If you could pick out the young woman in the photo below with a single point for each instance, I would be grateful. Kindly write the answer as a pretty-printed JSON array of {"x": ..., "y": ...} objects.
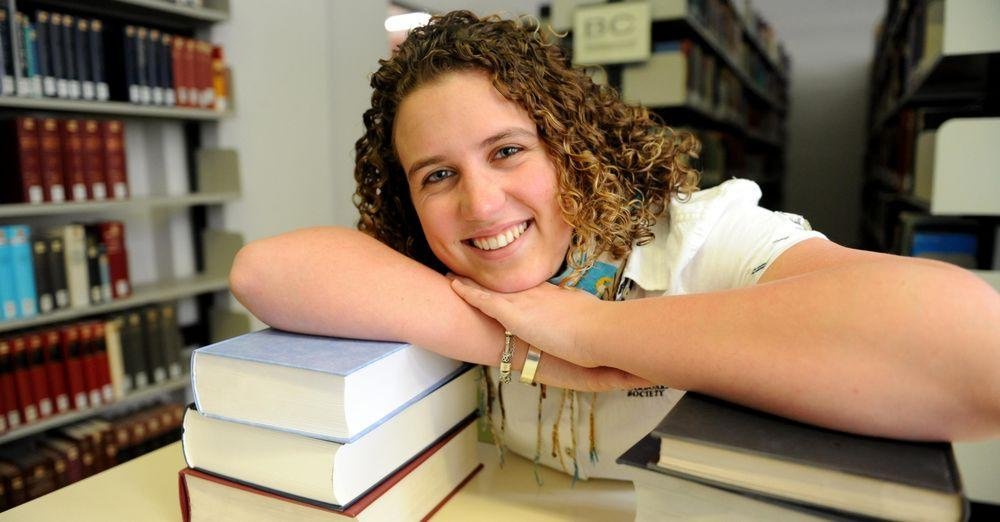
[{"x": 501, "y": 190}]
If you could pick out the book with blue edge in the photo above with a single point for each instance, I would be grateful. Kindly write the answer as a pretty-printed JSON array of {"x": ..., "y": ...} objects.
[
  {"x": 324, "y": 387},
  {"x": 737, "y": 456}
]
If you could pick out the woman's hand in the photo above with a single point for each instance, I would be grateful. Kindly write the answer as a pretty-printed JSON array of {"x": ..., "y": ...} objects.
[{"x": 551, "y": 318}]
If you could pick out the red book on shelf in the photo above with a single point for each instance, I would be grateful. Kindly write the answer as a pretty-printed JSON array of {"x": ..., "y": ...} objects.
[
  {"x": 203, "y": 62},
  {"x": 179, "y": 72},
  {"x": 113, "y": 132},
  {"x": 39, "y": 377},
  {"x": 71, "y": 138},
  {"x": 113, "y": 237},
  {"x": 69, "y": 343},
  {"x": 26, "y": 400},
  {"x": 91, "y": 370},
  {"x": 103, "y": 365},
  {"x": 93, "y": 160},
  {"x": 190, "y": 72},
  {"x": 8, "y": 391},
  {"x": 50, "y": 160},
  {"x": 20, "y": 143},
  {"x": 55, "y": 368}
]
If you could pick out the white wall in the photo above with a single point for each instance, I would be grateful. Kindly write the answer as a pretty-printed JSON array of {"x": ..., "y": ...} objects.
[{"x": 831, "y": 43}]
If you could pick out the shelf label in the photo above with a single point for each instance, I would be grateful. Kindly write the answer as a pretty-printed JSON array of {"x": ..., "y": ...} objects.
[{"x": 612, "y": 33}]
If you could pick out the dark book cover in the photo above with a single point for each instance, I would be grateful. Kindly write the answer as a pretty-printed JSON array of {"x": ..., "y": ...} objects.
[
  {"x": 142, "y": 65},
  {"x": 93, "y": 161},
  {"x": 26, "y": 400},
  {"x": 38, "y": 375},
  {"x": 172, "y": 341},
  {"x": 19, "y": 142},
  {"x": 136, "y": 357},
  {"x": 101, "y": 358},
  {"x": 116, "y": 175},
  {"x": 152, "y": 49},
  {"x": 91, "y": 370},
  {"x": 12, "y": 481},
  {"x": 69, "y": 343},
  {"x": 43, "y": 279},
  {"x": 203, "y": 74},
  {"x": 121, "y": 427},
  {"x": 8, "y": 389},
  {"x": 6, "y": 57},
  {"x": 50, "y": 160},
  {"x": 82, "y": 49},
  {"x": 102, "y": 263},
  {"x": 69, "y": 453},
  {"x": 93, "y": 265},
  {"x": 55, "y": 369},
  {"x": 153, "y": 341},
  {"x": 70, "y": 67},
  {"x": 190, "y": 72},
  {"x": 71, "y": 139},
  {"x": 58, "y": 61},
  {"x": 97, "y": 69},
  {"x": 131, "y": 65},
  {"x": 42, "y": 40},
  {"x": 167, "y": 70},
  {"x": 113, "y": 237},
  {"x": 36, "y": 468},
  {"x": 57, "y": 271},
  {"x": 59, "y": 465},
  {"x": 88, "y": 450}
]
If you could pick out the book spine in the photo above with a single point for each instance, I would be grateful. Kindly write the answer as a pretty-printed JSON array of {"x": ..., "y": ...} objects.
[
  {"x": 167, "y": 70},
  {"x": 136, "y": 351},
  {"x": 8, "y": 296},
  {"x": 77, "y": 280},
  {"x": 116, "y": 363},
  {"x": 22, "y": 83},
  {"x": 31, "y": 56},
  {"x": 42, "y": 40},
  {"x": 189, "y": 72},
  {"x": 220, "y": 84},
  {"x": 95, "y": 292},
  {"x": 71, "y": 140},
  {"x": 55, "y": 368},
  {"x": 39, "y": 377},
  {"x": 172, "y": 342},
  {"x": 32, "y": 190},
  {"x": 69, "y": 56},
  {"x": 153, "y": 340},
  {"x": 113, "y": 133},
  {"x": 57, "y": 271},
  {"x": 58, "y": 59},
  {"x": 97, "y": 60},
  {"x": 102, "y": 362},
  {"x": 131, "y": 64},
  {"x": 142, "y": 65},
  {"x": 93, "y": 161},
  {"x": 7, "y": 85},
  {"x": 113, "y": 236},
  {"x": 177, "y": 70},
  {"x": 153, "y": 66},
  {"x": 43, "y": 280},
  {"x": 206, "y": 89},
  {"x": 102, "y": 263},
  {"x": 11, "y": 413},
  {"x": 19, "y": 239},
  {"x": 91, "y": 371},
  {"x": 83, "y": 61},
  {"x": 22, "y": 380},
  {"x": 50, "y": 160}
]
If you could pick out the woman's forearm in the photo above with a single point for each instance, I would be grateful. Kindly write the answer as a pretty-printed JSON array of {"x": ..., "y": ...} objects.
[{"x": 856, "y": 347}]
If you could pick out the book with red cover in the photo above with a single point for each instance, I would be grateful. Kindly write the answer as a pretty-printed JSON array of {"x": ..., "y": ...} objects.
[
  {"x": 190, "y": 69},
  {"x": 69, "y": 343},
  {"x": 91, "y": 372},
  {"x": 39, "y": 377},
  {"x": 113, "y": 237},
  {"x": 101, "y": 359},
  {"x": 203, "y": 64},
  {"x": 55, "y": 369},
  {"x": 178, "y": 70},
  {"x": 12, "y": 481},
  {"x": 8, "y": 390},
  {"x": 19, "y": 143},
  {"x": 50, "y": 160},
  {"x": 69, "y": 452},
  {"x": 26, "y": 400},
  {"x": 438, "y": 473},
  {"x": 93, "y": 160},
  {"x": 71, "y": 139},
  {"x": 113, "y": 133}
]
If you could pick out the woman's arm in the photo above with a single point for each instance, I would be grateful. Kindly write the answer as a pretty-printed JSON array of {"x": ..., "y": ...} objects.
[
  {"x": 842, "y": 338},
  {"x": 341, "y": 282}
]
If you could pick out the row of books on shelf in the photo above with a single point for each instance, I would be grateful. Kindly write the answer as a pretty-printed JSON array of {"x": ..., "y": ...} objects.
[
  {"x": 33, "y": 467},
  {"x": 762, "y": 32},
  {"x": 725, "y": 26},
  {"x": 53, "y": 160},
  {"x": 71, "y": 266},
  {"x": 340, "y": 443},
  {"x": 87, "y": 364},
  {"x": 58, "y": 55},
  {"x": 919, "y": 44}
]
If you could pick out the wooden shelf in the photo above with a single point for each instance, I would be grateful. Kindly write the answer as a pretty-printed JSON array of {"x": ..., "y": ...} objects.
[
  {"x": 63, "y": 419},
  {"x": 131, "y": 205},
  {"x": 141, "y": 295},
  {"x": 111, "y": 108}
]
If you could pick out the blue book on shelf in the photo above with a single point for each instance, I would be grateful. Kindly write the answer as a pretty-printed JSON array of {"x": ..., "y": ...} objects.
[
  {"x": 23, "y": 269},
  {"x": 323, "y": 387},
  {"x": 8, "y": 300}
]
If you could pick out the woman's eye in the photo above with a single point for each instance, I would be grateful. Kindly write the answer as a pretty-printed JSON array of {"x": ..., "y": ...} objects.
[
  {"x": 506, "y": 152},
  {"x": 437, "y": 175}
]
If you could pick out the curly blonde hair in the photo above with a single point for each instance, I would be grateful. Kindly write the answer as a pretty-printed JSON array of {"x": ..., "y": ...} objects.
[{"x": 617, "y": 165}]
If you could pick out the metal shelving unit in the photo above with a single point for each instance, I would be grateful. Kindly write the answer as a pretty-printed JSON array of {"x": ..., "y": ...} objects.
[
  {"x": 131, "y": 205},
  {"x": 110, "y": 108}
]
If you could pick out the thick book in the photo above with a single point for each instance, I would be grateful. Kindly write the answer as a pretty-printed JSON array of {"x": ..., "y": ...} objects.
[
  {"x": 167, "y": 70},
  {"x": 55, "y": 369},
  {"x": 8, "y": 386},
  {"x": 57, "y": 271},
  {"x": 7, "y": 86},
  {"x": 134, "y": 353},
  {"x": 113, "y": 237},
  {"x": 19, "y": 144},
  {"x": 320, "y": 470},
  {"x": 178, "y": 70},
  {"x": 71, "y": 68},
  {"x": 50, "y": 160},
  {"x": 23, "y": 268},
  {"x": 173, "y": 343},
  {"x": 97, "y": 69},
  {"x": 153, "y": 70},
  {"x": 131, "y": 64},
  {"x": 142, "y": 65},
  {"x": 93, "y": 249},
  {"x": 8, "y": 296},
  {"x": 91, "y": 369},
  {"x": 415, "y": 492},
  {"x": 152, "y": 335},
  {"x": 83, "y": 64},
  {"x": 69, "y": 452},
  {"x": 116, "y": 361},
  {"x": 74, "y": 241},
  {"x": 72, "y": 356},
  {"x": 343, "y": 382},
  {"x": 116, "y": 176},
  {"x": 94, "y": 171},
  {"x": 58, "y": 61},
  {"x": 26, "y": 400},
  {"x": 37, "y": 374},
  {"x": 42, "y": 40},
  {"x": 71, "y": 140},
  {"x": 43, "y": 280},
  {"x": 734, "y": 447}
]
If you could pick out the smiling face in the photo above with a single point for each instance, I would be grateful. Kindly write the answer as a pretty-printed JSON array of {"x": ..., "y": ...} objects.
[{"x": 482, "y": 184}]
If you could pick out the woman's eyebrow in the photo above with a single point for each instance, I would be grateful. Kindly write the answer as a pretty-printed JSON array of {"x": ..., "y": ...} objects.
[
  {"x": 506, "y": 133},
  {"x": 417, "y": 165}
]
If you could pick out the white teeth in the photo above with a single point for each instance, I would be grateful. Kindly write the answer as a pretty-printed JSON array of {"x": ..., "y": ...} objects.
[{"x": 502, "y": 239}]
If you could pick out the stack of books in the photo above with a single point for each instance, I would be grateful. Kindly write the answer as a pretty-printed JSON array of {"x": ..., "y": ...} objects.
[
  {"x": 288, "y": 425},
  {"x": 710, "y": 459}
]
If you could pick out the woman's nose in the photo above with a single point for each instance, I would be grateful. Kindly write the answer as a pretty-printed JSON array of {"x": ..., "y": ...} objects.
[{"x": 482, "y": 196}]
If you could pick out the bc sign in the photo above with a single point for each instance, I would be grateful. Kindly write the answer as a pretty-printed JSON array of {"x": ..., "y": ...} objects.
[{"x": 611, "y": 33}]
